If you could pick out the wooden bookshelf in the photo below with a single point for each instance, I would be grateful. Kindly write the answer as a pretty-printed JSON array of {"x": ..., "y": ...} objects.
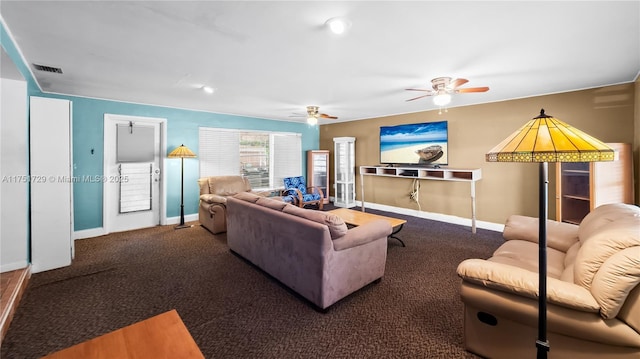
[{"x": 583, "y": 186}]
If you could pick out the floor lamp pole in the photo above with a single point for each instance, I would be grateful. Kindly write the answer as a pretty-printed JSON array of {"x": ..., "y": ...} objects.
[
  {"x": 542, "y": 344},
  {"x": 182, "y": 225}
]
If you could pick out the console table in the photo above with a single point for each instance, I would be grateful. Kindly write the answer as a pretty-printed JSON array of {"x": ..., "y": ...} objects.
[{"x": 427, "y": 173}]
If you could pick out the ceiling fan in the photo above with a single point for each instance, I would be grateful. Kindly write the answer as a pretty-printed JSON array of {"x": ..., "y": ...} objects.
[
  {"x": 313, "y": 114},
  {"x": 443, "y": 87}
]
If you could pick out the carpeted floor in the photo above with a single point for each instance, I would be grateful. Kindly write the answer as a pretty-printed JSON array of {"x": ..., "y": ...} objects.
[{"x": 233, "y": 310}]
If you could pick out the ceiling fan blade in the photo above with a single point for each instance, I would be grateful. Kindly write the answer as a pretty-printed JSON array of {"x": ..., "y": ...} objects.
[
  {"x": 457, "y": 82},
  {"x": 415, "y": 98},
  {"x": 324, "y": 115},
  {"x": 473, "y": 89},
  {"x": 419, "y": 90}
]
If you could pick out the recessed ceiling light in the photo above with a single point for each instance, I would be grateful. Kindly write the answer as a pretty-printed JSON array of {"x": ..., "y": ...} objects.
[
  {"x": 208, "y": 89},
  {"x": 338, "y": 25}
]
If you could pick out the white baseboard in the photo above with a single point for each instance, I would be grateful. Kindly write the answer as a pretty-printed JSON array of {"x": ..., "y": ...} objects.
[
  {"x": 434, "y": 216},
  {"x": 187, "y": 218},
  {"x": 101, "y": 231},
  {"x": 89, "y": 233},
  {"x": 7, "y": 267}
]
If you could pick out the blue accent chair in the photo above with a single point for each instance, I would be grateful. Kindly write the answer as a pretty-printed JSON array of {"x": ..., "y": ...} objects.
[{"x": 296, "y": 192}]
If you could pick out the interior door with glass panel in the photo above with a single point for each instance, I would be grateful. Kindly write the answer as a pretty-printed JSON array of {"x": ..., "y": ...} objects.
[{"x": 132, "y": 174}]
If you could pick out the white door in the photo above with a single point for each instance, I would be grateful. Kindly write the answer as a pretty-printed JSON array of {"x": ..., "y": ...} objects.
[
  {"x": 133, "y": 172},
  {"x": 51, "y": 181}
]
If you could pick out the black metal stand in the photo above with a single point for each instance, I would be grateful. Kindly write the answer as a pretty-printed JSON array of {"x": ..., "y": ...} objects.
[
  {"x": 182, "y": 225},
  {"x": 393, "y": 235},
  {"x": 542, "y": 344}
]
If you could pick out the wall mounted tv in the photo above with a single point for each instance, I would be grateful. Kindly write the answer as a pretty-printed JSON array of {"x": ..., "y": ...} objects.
[{"x": 422, "y": 144}]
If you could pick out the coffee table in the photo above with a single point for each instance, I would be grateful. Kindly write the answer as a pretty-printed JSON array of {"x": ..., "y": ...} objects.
[
  {"x": 358, "y": 218},
  {"x": 161, "y": 337}
]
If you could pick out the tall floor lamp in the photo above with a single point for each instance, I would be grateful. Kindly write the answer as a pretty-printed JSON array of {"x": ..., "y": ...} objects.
[
  {"x": 545, "y": 139},
  {"x": 182, "y": 152}
]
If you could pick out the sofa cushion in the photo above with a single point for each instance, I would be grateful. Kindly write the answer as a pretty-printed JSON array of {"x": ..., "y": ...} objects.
[
  {"x": 524, "y": 254},
  {"x": 247, "y": 196},
  {"x": 228, "y": 185},
  {"x": 527, "y": 228},
  {"x": 337, "y": 227},
  {"x": 608, "y": 264},
  {"x": 602, "y": 216},
  {"x": 271, "y": 203}
]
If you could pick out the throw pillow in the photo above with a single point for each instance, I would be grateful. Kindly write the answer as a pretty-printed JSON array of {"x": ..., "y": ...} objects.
[{"x": 337, "y": 227}]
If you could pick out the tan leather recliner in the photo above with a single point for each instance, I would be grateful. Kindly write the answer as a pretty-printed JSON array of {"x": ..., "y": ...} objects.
[
  {"x": 214, "y": 190},
  {"x": 593, "y": 291}
]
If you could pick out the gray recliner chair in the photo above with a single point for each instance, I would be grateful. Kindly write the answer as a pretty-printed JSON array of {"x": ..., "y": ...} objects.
[{"x": 214, "y": 190}]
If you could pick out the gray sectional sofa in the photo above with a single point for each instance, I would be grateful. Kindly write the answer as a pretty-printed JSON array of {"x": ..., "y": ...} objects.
[{"x": 311, "y": 252}]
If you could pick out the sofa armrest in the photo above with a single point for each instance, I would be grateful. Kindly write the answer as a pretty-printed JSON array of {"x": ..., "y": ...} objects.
[
  {"x": 213, "y": 198},
  {"x": 560, "y": 235},
  {"x": 524, "y": 283},
  {"x": 363, "y": 234}
]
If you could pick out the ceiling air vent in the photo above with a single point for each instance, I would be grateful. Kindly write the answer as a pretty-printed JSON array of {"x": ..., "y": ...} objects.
[{"x": 44, "y": 68}]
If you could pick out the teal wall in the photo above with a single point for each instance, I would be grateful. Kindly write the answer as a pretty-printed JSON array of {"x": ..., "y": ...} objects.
[{"x": 182, "y": 128}]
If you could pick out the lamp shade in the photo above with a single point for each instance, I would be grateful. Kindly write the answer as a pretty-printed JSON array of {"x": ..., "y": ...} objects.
[
  {"x": 182, "y": 152},
  {"x": 547, "y": 139},
  {"x": 442, "y": 99}
]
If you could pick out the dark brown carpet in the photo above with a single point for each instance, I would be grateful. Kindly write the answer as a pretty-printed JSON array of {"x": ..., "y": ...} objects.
[{"x": 233, "y": 310}]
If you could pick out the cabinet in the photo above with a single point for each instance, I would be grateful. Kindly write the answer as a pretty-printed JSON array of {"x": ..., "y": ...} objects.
[
  {"x": 583, "y": 186},
  {"x": 51, "y": 180},
  {"x": 345, "y": 172},
  {"x": 318, "y": 171}
]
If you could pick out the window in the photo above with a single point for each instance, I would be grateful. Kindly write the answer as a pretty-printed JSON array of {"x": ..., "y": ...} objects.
[{"x": 266, "y": 158}]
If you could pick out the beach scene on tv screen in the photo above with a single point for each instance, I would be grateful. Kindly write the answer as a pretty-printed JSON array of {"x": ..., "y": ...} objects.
[{"x": 423, "y": 143}]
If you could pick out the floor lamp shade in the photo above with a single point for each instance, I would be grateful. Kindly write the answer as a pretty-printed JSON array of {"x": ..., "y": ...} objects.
[
  {"x": 182, "y": 152},
  {"x": 546, "y": 139}
]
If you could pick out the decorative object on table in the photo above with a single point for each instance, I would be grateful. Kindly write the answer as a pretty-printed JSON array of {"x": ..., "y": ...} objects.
[
  {"x": 182, "y": 152},
  {"x": 546, "y": 139}
]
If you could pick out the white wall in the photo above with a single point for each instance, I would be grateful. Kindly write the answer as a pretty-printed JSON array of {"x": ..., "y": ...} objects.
[{"x": 13, "y": 175}]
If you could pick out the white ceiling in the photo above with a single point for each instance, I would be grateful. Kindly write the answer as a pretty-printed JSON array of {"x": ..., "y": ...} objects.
[{"x": 270, "y": 59}]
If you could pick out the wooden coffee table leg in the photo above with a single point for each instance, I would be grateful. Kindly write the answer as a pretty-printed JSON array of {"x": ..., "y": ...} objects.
[{"x": 393, "y": 234}]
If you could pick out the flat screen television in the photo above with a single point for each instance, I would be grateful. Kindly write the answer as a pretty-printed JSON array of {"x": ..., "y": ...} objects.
[{"x": 421, "y": 144}]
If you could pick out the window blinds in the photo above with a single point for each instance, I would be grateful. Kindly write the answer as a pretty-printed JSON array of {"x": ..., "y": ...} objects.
[
  {"x": 287, "y": 158},
  {"x": 219, "y": 152}
]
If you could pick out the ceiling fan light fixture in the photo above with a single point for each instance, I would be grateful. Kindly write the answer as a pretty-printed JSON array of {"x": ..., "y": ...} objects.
[
  {"x": 208, "y": 89},
  {"x": 338, "y": 25},
  {"x": 312, "y": 120},
  {"x": 442, "y": 99}
]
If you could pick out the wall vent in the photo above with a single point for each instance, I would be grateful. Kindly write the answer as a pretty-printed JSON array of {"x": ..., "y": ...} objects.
[{"x": 56, "y": 70}]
